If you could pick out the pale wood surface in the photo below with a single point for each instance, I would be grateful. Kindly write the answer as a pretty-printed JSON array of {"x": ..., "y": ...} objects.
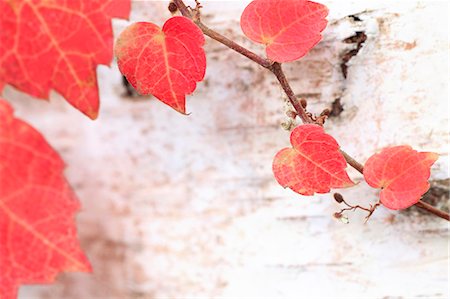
[{"x": 178, "y": 207}]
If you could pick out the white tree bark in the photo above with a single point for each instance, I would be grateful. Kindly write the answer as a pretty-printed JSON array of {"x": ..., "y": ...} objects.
[{"x": 178, "y": 206}]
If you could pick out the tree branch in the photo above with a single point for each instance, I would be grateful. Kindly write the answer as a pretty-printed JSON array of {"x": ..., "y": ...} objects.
[
  {"x": 276, "y": 69},
  {"x": 278, "y": 72},
  {"x": 426, "y": 206},
  {"x": 266, "y": 63}
]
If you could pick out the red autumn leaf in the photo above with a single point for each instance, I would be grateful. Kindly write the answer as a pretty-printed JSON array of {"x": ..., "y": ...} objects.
[
  {"x": 165, "y": 62},
  {"x": 57, "y": 45},
  {"x": 402, "y": 174},
  {"x": 314, "y": 164},
  {"x": 37, "y": 207},
  {"x": 288, "y": 28}
]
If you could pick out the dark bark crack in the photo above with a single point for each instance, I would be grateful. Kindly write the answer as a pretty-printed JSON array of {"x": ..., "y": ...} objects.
[{"x": 359, "y": 39}]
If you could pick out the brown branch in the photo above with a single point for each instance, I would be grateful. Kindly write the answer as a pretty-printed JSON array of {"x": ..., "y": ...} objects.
[
  {"x": 266, "y": 63},
  {"x": 352, "y": 162},
  {"x": 426, "y": 206},
  {"x": 276, "y": 69},
  {"x": 234, "y": 46},
  {"x": 278, "y": 72}
]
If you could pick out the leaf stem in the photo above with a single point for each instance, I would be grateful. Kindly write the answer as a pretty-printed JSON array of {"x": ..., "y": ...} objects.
[
  {"x": 352, "y": 162},
  {"x": 276, "y": 69}
]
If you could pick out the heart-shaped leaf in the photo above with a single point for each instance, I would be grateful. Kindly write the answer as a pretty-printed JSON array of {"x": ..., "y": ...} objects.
[
  {"x": 288, "y": 28},
  {"x": 402, "y": 173},
  {"x": 37, "y": 207},
  {"x": 165, "y": 62},
  {"x": 57, "y": 45},
  {"x": 313, "y": 164}
]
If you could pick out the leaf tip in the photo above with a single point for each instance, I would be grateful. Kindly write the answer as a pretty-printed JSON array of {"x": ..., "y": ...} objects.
[
  {"x": 93, "y": 115},
  {"x": 180, "y": 109},
  {"x": 348, "y": 183},
  {"x": 432, "y": 157}
]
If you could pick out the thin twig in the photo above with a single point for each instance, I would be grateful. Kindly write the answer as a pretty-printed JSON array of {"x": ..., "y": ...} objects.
[
  {"x": 372, "y": 209},
  {"x": 276, "y": 69},
  {"x": 369, "y": 210}
]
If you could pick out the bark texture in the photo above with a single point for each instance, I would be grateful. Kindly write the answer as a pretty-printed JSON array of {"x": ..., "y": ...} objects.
[{"x": 178, "y": 206}]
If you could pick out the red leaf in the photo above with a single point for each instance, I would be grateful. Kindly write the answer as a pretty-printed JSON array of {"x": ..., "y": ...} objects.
[
  {"x": 288, "y": 28},
  {"x": 314, "y": 164},
  {"x": 37, "y": 207},
  {"x": 402, "y": 173},
  {"x": 165, "y": 62},
  {"x": 57, "y": 45}
]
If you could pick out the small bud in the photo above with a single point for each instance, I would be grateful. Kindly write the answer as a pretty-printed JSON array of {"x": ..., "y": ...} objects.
[
  {"x": 338, "y": 197},
  {"x": 337, "y": 215},
  {"x": 344, "y": 219},
  {"x": 303, "y": 102},
  {"x": 172, "y": 7},
  {"x": 287, "y": 125},
  {"x": 320, "y": 120},
  {"x": 326, "y": 112},
  {"x": 291, "y": 114}
]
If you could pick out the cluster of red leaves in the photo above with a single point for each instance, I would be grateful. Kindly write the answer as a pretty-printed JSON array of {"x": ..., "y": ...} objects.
[
  {"x": 45, "y": 45},
  {"x": 314, "y": 165},
  {"x": 37, "y": 208},
  {"x": 57, "y": 45},
  {"x": 168, "y": 62}
]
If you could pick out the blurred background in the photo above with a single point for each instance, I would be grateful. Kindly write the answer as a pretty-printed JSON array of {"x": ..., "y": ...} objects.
[{"x": 186, "y": 206}]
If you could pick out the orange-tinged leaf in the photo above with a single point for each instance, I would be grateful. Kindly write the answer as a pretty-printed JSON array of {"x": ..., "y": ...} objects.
[
  {"x": 37, "y": 207},
  {"x": 165, "y": 62},
  {"x": 402, "y": 173},
  {"x": 288, "y": 28},
  {"x": 48, "y": 44},
  {"x": 313, "y": 164}
]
